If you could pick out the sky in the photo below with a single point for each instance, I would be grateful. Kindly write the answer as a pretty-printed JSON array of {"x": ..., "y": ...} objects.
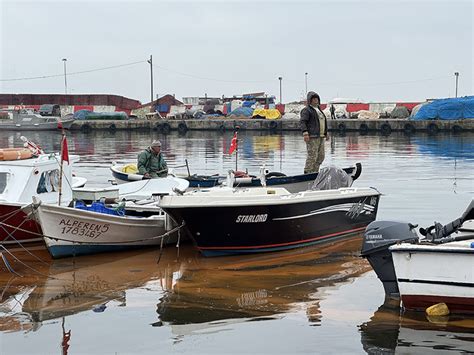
[{"x": 374, "y": 51}]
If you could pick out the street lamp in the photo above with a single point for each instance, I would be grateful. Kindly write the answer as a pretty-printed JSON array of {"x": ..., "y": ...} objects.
[
  {"x": 150, "y": 61},
  {"x": 280, "y": 78},
  {"x": 65, "y": 76},
  {"x": 456, "y": 74},
  {"x": 306, "y": 83}
]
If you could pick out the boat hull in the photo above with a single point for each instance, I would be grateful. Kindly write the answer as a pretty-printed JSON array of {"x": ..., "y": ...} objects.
[
  {"x": 40, "y": 126},
  {"x": 227, "y": 230},
  {"x": 71, "y": 232},
  {"x": 427, "y": 275},
  {"x": 16, "y": 227}
]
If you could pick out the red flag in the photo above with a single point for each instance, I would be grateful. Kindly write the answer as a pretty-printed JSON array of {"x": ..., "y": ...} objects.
[
  {"x": 64, "y": 150},
  {"x": 233, "y": 143}
]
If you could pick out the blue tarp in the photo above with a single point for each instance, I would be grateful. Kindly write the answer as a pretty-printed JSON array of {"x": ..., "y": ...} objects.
[
  {"x": 447, "y": 109},
  {"x": 242, "y": 111}
]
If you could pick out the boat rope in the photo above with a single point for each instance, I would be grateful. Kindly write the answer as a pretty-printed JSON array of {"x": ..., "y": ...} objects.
[
  {"x": 7, "y": 264},
  {"x": 21, "y": 262}
]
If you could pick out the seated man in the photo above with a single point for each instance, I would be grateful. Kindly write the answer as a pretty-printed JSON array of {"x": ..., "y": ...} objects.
[{"x": 151, "y": 163}]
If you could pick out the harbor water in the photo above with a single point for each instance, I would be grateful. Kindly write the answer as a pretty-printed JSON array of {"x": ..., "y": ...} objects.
[{"x": 321, "y": 299}]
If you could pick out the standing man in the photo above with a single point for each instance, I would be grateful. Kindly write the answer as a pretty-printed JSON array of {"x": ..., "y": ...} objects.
[
  {"x": 332, "y": 110},
  {"x": 314, "y": 126},
  {"x": 151, "y": 163}
]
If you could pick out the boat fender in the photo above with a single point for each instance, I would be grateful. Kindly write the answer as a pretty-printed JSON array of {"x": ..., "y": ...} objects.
[
  {"x": 363, "y": 128},
  {"x": 182, "y": 128},
  {"x": 222, "y": 128},
  {"x": 457, "y": 129},
  {"x": 157, "y": 127},
  {"x": 432, "y": 128},
  {"x": 386, "y": 129},
  {"x": 165, "y": 128},
  {"x": 273, "y": 125},
  {"x": 409, "y": 128},
  {"x": 439, "y": 309},
  {"x": 112, "y": 127},
  {"x": 341, "y": 127},
  {"x": 86, "y": 128}
]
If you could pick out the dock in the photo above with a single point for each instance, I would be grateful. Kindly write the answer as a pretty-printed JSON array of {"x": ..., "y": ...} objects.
[{"x": 384, "y": 126}]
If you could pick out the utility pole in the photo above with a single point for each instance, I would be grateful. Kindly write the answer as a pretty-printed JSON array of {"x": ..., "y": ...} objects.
[
  {"x": 150, "y": 61},
  {"x": 280, "y": 78},
  {"x": 456, "y": 74},
  {"x": 65, "y": 76},
  {"x": 306, "y": 83}
]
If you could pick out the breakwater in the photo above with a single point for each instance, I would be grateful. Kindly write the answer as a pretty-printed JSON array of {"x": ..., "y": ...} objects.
[{"x": 385, "y": 126}]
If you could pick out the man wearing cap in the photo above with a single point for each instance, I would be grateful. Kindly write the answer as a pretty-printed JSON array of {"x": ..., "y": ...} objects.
[
  {"x": 151, "y": 163},
  {"x": 314, "y": 126}
]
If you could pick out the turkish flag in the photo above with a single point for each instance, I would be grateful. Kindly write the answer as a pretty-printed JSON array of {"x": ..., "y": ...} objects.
[
  {"x": 64, "y": 150},
  {"x": 233, "y": 143}
]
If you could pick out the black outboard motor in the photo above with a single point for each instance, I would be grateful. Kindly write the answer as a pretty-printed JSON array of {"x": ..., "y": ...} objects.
[{"x": 378, "y": 237}]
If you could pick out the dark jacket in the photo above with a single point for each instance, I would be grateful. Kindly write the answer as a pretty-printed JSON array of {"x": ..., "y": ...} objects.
[
  {"x": 149, "y": 162},
  {"x": 309, "y": 121}
]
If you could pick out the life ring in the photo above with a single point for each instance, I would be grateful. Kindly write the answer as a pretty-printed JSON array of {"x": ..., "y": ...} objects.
[
  {"x": 222, "y": 128},
  {"x": 17, "y": 108},
  {"x": 409, "y": 128},
  {"x": 15, "y": 154},
  {"x": 182, "y": 128},
  {"x": 86, "y": 128},
  {"x": 165, "y": 128},
  {"x": 273, "y": 125},
  {"x": 112, "y": 127},
  {"x": 363, "y": 128},
  {"x": 386, "y": 129},
  {"x": 457, "y": 129},
  {"x": 341, "y": 127},
  {"x": 432, "y": 128}
]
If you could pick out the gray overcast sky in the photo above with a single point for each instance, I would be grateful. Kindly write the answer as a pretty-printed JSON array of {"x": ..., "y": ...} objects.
[{"x": 371, "y": 50}]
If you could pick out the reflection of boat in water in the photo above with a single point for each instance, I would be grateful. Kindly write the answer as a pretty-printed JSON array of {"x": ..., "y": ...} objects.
[
  {"x": 216, "y": 292},
  {"x": 388, "y": 332},
  {"x": 69, "y": 286}
]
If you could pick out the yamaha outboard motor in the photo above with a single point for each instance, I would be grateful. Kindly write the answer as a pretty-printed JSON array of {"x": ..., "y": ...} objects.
[{"x": 378, "y": 237}]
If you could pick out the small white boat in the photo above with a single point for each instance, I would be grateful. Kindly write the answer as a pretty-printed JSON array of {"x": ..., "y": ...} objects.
[
  {"x": 71, "y": 232},
  {"x": 23, "y": 119},
  {"x": 94, "y": 229},
  {"x": 20, "y": 179},
  {"x": 436, "y": 267}
]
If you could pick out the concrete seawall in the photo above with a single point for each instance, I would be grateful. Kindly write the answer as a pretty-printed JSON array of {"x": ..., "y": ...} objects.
[{"x": 385, "y": 126}]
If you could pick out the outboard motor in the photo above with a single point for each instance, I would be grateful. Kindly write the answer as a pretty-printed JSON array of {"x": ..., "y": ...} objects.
[{"x": 378, "y": 237}]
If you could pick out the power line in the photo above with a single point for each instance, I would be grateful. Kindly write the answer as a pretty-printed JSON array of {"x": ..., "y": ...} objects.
[{"x": 75, "y": 73}]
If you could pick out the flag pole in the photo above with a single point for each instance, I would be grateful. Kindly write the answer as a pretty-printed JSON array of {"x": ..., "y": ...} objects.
[
  {"x": 236, "y": 152},
  {"x": 61, "y": 171}
]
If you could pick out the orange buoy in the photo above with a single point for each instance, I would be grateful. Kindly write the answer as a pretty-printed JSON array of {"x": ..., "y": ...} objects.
[{"x": 15, "y": 154}]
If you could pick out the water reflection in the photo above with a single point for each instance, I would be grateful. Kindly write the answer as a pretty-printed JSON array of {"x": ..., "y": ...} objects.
[
  {"x": 215, "y": 290},
  {"x": 192, "y": 289},
  {"x": 47, "y": 289},
  {"x": 390, "y": 331}
]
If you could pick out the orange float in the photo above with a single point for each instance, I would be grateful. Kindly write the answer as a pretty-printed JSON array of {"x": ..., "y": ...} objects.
[{"x": 15, "y": 154}]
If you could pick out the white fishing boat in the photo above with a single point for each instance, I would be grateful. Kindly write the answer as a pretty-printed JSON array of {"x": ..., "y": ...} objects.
[
  {"x": 97, "y": 228},
  {"x": 72, "y": 232},
  {"x": 22, "y": 119},
  {"x": 433, "y": 267},
  {"x": 23, "y": 175}
]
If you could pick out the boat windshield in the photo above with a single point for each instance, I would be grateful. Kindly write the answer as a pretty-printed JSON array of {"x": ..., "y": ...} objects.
[{"x": 3, "y": 181}]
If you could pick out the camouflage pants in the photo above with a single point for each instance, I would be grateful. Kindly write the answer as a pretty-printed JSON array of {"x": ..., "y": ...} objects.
[{"x": 315, "y": 149}]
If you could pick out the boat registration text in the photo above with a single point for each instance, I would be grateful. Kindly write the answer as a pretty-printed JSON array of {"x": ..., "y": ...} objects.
[{"x": 251, "y": 218}]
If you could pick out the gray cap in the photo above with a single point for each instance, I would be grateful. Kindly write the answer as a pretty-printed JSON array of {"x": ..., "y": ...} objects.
[{"x": 155, "y": 143}]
